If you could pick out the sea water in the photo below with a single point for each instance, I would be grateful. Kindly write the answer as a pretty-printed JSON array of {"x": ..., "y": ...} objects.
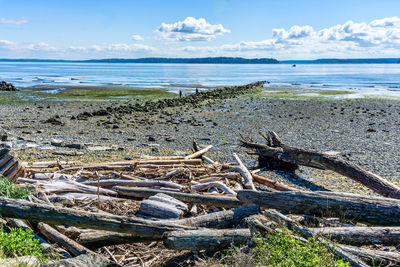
[{"x": 378, "y": 79}]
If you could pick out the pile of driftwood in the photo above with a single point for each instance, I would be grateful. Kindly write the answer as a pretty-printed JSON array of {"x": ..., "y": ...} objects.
[{"x": 194, "y": 203}]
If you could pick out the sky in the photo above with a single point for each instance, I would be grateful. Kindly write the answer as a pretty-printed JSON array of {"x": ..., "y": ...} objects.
[{"x": 286, "y": 29}]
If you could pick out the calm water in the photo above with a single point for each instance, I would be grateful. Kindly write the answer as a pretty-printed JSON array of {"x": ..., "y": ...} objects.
[{"x": 379, "y": 78}]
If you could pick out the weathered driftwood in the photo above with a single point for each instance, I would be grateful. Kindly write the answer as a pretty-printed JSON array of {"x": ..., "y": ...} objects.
[
  {"x": 199, "y": 153},
  {"x": 23, "y": 209},
  {"x": 375, "y": 257},
  {"x": 248, "y": 179},
  {"x": 148, "y": 183},
  {"x": 97, "y": 239},
  {"x": 52, "y": 234},
  {"x": 217, "y": 220},
  {"x": 216, "y": 201},
  {"x": 272, "y": 184},
  {"x": 205, "y": 239},
  {"x": 62, "y": 185},
  {"x": 324, "y": 161},
  {"x": 304, "y": 232},
  {"x": 219, "y": 185},
  {"x": 360, "y": 236},
  {"x": 374, "y": 210},
  {"x": 71, "y": 197},
  {"x": 10, "y": 167},
  {"x": 163, "y": 207},
  {"x": 130, "y": 165}
]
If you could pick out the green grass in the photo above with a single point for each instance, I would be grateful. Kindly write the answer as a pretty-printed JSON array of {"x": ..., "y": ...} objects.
[
  {"x": 279, "y": 249},
  {"x": 103, "y": 94},
  {"x": 10, "y": 190}
]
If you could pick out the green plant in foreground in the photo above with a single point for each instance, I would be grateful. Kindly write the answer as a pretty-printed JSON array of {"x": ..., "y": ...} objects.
[
  {"x": 279, "y": 249},
  {"x": 19, "y": 242},
  {"x": 10, "y": 190}
]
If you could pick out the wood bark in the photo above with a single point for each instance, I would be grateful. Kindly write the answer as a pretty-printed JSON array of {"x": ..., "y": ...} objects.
[
  {"x": 360, "y": 236},
  {"x": 23, "y": 209},
  {"x": 272, "y": 184},
  {"x": 373, "y": 210},
  {"x": 62, "y": 185},
  {"x": 148, "y": 183},
  {"x": 217, "y": 220},
  {"x": 70, "y": 245},
  {"x": 326, "y": 162},
  {"x": 205, "y": 239},
  {"x": 216, "y": 201},
  {"x": 248, "y": 179},
  {"x": 199, "y": 153},
  {"x": 220, "y": 185}
]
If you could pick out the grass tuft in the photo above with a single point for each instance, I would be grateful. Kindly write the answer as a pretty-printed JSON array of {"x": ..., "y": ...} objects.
[{"x": 10, "y": 190}]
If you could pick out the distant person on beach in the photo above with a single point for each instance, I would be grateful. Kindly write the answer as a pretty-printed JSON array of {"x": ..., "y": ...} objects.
[
  {"x": 197, "y": 91},
  {"x": 180, "y": 93}
]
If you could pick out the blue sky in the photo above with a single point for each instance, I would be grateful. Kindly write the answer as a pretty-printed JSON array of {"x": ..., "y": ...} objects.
[{"x": 130, "y": 29}]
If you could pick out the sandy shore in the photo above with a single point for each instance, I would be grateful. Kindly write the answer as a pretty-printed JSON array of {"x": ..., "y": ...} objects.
[{"x": 364, "y": 131}]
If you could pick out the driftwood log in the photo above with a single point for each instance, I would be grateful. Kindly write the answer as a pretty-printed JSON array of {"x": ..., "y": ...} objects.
[
  {"x": 205, "y": 239},
  {"x": 162, "y": 206},
  {"x": 326, "y": 162},
  {"x": 221, "y": 220},
  {"x": 360, "y": 236},
  {"x": 216, "y": 201},
  {"x": 23, "y": 209},
  {"x": 374, "y": 210},
  {"x": 70, "y": 245}
]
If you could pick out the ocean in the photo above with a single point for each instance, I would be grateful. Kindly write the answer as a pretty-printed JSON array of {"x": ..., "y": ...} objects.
[{"x": 376, "y": 79}]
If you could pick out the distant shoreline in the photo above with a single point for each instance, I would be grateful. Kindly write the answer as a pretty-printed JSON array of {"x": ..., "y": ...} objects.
[{"x": 214, "y": 60}]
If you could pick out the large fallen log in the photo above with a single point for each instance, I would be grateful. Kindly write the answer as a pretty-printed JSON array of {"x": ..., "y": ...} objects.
[
  {"x": 368, "y": 209},
  {"x": 22, "y": 209},
  {"x": 205, "y": 239},
  {"x": 360, "y": 236},
  {"x": 216, "y": 201},
  {"x": 221, "y": 220},
  {"x": 323, "y": 161}
]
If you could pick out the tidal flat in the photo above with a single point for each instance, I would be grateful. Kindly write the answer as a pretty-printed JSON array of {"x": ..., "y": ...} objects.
[{"x": 364, "y": 131}]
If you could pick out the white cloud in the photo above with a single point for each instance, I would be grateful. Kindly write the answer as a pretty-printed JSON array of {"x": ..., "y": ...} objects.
[
  {"x": 137, "y": 37},
  {"x": 113, "y": 48},
  {"x": 378, "y": 38},
  {"x": 190, "y": 29},
  {"x": 13, "y": 21}
]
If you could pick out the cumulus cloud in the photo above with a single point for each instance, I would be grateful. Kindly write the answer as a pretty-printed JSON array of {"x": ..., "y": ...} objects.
[
  {"x": 137, "y": 37},
  {"x": 379, "y": 37},
  {"x": 190, "y": 29},
  {"x": 13, "y": 21}
]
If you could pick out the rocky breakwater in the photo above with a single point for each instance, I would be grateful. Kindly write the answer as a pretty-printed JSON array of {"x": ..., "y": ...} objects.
[
  {"x": 154, "y": 106},
  {"x": 4, "y": 86}
]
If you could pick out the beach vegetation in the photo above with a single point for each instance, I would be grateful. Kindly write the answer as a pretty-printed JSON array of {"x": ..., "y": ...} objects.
[
  {"x": 77, "y": 94},
  {"x": 280, "y": 248},
  {"x": 10, "y": 190}
]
